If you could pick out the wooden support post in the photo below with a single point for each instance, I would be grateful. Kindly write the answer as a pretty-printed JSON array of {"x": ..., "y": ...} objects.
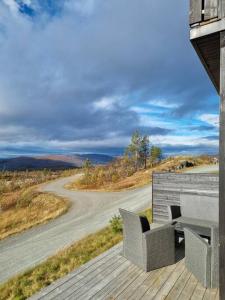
[{"x": 222, "y": 167}]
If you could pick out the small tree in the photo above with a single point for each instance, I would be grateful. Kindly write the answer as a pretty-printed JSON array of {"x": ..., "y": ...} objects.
[
  {"x": 133, "y": 150},
  {"x": 156, "y": 154},
  {"x": 87, "y": 165},
  {"x": 144, "y": 150}
]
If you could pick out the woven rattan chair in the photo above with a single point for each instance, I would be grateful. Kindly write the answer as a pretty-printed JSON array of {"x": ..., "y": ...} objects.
[
  {"x": 201, "y": 258},
  {"x": 146, "y": 248}
]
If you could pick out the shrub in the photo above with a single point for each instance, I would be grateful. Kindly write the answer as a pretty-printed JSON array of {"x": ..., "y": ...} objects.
[
  {"x": 9, "y": 201},
  {"x": 116, "y": 224},
  {"x": 26, "y": 198}
]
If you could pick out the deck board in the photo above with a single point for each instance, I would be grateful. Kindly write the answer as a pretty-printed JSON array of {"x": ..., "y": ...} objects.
[{"x": 110, "y": 276}]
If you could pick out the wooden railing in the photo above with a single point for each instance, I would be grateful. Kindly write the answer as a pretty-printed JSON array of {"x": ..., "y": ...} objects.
[{"x": 203, "y": 10}]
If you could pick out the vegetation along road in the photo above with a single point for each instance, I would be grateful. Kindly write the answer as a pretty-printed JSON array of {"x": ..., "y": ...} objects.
[{"x": 90, "y": 212}]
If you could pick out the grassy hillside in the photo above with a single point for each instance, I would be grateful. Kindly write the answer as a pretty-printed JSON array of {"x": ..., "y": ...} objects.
[
  {"x": 121, "y": 174},
  {"x": 22, "y": 206}
]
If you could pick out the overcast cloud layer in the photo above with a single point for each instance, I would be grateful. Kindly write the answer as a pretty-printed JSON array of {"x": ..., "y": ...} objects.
[{"x": 83, "y": 75}]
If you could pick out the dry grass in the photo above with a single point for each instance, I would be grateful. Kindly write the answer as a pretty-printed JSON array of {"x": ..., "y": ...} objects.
[
  {"x": 25, "y": 285},
  {"x": 22, "y": 206},
  {"x": 136, "y": 180},
  {"x": 35, "y": 208},
  {"x": 142, "y": 177}
]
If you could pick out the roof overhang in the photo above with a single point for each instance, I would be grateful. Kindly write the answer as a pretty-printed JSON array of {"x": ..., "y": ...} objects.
[{"x": 206, "y": 40}]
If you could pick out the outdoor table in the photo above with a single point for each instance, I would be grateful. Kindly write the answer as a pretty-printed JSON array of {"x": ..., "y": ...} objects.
[{"x": 201, "y": 227}]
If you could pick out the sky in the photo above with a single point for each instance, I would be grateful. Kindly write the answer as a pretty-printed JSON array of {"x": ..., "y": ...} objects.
[{"x": 83, "y": 75}]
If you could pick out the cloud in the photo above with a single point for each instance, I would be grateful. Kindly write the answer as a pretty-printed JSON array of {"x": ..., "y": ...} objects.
[
  {"x": 212, "y": 137},
  {"x": 212, "y": 119},
  {"x": 163, "y": 103},
  {"x": 81, "y": 71},
  {"x": 190, "y": 150},
  {"x": 105, "y": 103},
  {"x": 141, "y": 110},
  {"x": 12, "y": 5},
  {"x": 85, "y": 7},
  {"x": 201, "y": 128},
  {"x": 184, "y": 140}
]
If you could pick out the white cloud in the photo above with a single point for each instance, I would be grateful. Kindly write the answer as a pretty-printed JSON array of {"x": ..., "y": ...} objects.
[
  {"x": 13, "y": 6},
  {"x": 84, "y": 7},
  {"x": 71, "y": 145},
  {"x": 105, "y": 103},
  {"x": 212, "y": 119},
  {"x": 162, "y": 103},
  {"x": 141, "y": 110},
  {"x": 151, "y": 121},
  {"x": 183, "y": 140}
]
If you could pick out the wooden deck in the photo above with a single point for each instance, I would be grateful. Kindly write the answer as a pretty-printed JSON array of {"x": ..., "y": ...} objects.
[{"x": 110, "y": 276}]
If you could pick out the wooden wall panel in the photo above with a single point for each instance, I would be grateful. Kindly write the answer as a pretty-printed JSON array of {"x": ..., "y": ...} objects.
[
  {"x": 195, "y": 15},
  {"x": 222, "y": 8},
  {"x": 211, "y": 9},
  {"x": 167, "y": 187}
]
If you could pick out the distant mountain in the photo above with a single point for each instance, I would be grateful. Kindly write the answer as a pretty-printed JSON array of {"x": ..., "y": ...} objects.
[{"x": 54, "y": 162}]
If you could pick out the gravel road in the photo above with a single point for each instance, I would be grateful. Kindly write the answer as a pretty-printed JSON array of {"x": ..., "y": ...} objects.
[{"x": 90, "y": 211}]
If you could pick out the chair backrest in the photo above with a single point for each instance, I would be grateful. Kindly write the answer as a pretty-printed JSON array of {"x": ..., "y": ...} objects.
[
  {"x": 174, "y": 212},
  {"x": 200, "y": 207},
  {"x": 132, "y": 236}
]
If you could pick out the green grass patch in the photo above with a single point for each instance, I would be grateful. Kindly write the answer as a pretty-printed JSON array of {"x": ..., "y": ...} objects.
[{"x": 25, "y": 285}]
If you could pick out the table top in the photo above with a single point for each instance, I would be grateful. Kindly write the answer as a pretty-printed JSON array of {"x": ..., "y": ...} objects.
[{"x": 202, "y": 227}]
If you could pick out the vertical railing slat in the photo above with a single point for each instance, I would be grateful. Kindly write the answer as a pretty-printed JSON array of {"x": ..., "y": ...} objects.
[
  {"x": 211, "y": 9},
  {"x": 195, "y": 11}
]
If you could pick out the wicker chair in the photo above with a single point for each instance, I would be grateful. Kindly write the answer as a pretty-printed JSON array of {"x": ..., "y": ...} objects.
[
  {"x": 148, "y": 249},
  {"x": 202, "y": 259}
]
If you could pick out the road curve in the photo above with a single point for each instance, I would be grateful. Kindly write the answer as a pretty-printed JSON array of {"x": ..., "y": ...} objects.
[
  {"x": 204, "y": 169},
  {"x": 90, "y": 211}
]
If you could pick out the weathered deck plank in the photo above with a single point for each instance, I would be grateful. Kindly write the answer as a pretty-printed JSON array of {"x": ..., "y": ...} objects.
[
  {"x": 179, "y": 286},
  {"x": 189, "y": 288},
  {"x": 142, "y": 289},
  {"x": 110, "y": 276},
  {"x": 199, "y": 292},
  {"x": 91, "y": 280},
  {"x": 169, "y": 284},
  {"x": 151, "y": 293},
  {"x": 64, "y": 283},
  {"x": 117, "y": 282}
]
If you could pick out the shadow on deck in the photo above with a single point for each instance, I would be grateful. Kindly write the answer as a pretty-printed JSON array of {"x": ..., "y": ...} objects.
[{"x": 110, "y": 276}]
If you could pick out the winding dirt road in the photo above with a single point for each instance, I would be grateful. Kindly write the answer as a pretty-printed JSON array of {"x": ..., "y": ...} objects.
[{"x": 90, "y": 212}]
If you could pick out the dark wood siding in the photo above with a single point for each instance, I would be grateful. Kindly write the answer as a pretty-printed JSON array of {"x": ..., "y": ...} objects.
[
  {"x": 167, "y": 187},
  {"x": 208, "y": 49}
]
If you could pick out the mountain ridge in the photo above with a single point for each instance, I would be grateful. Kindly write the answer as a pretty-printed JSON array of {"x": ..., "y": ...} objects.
[{"x": 54, "y": 162}]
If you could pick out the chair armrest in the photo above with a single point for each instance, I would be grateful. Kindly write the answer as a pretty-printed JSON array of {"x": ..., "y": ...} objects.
[
  {"x": 159, "y": 247},
  {"x": 161, "y": 230}
]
